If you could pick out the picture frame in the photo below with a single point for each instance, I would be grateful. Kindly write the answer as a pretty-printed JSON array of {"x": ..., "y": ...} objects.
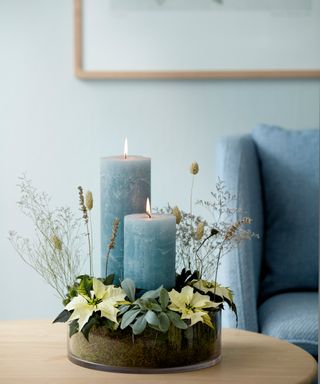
[{"x": 267, "y": 71}]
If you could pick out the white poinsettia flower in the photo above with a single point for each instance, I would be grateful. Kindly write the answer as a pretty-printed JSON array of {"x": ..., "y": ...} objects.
[
  {"x": 208, "y": 286},
  {"x": 191, "y": 305},
  {"x": 102, "y": 298}
]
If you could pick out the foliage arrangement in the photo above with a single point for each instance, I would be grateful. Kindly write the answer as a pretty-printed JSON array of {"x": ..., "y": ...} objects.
[
  {"x": 95, "y": 302},
  {"x": 56, "y": 254}
]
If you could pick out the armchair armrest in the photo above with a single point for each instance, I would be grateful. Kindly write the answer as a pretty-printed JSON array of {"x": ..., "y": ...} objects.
[{"x": 238, "y": 167}]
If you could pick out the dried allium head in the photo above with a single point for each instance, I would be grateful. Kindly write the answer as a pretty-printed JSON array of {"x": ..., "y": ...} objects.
[
  {"x": 89, "y": 200},
  {"x": 194, "y": 168},
  {"x": 177, "y": 213},
  {"x": 56, "y": 242},
  {"x": 199, "y": 232}
]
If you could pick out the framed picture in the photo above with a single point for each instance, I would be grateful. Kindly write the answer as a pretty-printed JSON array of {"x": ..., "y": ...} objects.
[{"x": 186, "y": 39}]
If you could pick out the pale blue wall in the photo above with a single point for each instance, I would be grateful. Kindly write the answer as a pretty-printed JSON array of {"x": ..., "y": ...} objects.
[{"x": 56, "y": 128}]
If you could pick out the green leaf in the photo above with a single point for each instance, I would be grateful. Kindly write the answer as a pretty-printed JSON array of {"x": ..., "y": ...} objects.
[
  {"x": 108, "y": 280},
  {"x": 73, "y": 327},
  {"x": 63, "y": 317},
  {"x": 164, "y": 298},
  {"x": 152, "y": 318},
  {"x": 176, "y": 320},
  {"x": 155, "y": 307},
  {"x": 129, "y": 317},
  {"x": 129, "y": 287},
  {"x": 123, "y": 309},
  {"x": 85, "y": 286},
  {"x": 164, "y": 322},
  {"x": 154, "y": 294},
  {"x": 140, "y": 325},
  {"x": 87, "y": 327},
  {"x": 207, "y": 320}
]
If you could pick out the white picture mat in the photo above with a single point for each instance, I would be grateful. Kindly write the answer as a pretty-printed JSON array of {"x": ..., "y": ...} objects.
[{"x": 191, "y": 35}]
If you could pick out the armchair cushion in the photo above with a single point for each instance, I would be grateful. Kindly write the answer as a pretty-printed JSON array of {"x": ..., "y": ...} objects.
[
  {"x": 292, "y": 317},
  {"x": 289, "y": 162}
]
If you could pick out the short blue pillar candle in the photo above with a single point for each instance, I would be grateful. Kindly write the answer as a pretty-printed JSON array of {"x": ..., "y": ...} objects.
[
  {"x": 150, "y": 250},
  {"x": 125, "y": 186}
]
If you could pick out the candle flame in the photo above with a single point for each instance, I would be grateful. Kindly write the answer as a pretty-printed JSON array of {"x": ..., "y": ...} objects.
[
  {"x": 148, "y": 208},
  {"x": 125, "y": 148}
]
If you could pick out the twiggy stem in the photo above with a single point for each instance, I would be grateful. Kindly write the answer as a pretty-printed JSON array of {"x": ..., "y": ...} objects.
[
  {"x": 89, "y": 248},
  {"x": 216, "y": 273},
  {"x": 191, "y": 194},
  {"x": 107, "y": 257}
]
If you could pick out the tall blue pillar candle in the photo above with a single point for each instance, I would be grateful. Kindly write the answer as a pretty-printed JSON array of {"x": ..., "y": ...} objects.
[
  {"x": 125, "y": 186},
  {"x": 150, "y": 250}
]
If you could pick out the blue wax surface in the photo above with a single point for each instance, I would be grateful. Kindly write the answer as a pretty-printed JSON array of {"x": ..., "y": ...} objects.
[
  {"x": 125, "y": 187},
  {"x": 150, "y": 250}
]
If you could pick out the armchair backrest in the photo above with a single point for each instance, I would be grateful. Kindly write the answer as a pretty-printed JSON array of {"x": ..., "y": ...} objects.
[
  {"x": 240, "y": 270},
  {"x": 289, "y": 163}
]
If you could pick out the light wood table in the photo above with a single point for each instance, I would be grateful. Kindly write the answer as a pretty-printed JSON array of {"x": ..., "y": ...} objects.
[{"x": 35, "y": 352}]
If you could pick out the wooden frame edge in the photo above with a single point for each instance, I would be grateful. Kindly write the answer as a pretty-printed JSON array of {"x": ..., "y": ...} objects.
[{"x": 80, "y": 73}]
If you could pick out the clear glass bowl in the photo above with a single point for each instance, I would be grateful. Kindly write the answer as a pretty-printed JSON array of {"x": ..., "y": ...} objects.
[{"x": 151, "y": 352}]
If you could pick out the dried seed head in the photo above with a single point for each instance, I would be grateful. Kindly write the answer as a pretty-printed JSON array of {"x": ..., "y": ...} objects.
[
  {"x": 57, "y": 243},
  {"x": 246, "y": 220},
  {"x": 115, "y": 227},
  {"x": 89, "y": 200},
  {"x": 234, "y": 227},
  {"x": 194, "y": 168},
  {"x": 199, "y": 232},
  {"x": 82, "y": 205},
  {"x": 214, "y": 232},
  {"x": 177, "y": 213}
]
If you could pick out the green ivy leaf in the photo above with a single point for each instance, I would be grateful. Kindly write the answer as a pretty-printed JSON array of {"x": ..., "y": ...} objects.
[
  {"x": 176, "y": 320},
  {"x": 152, "y": 318},
  {"x": 73, "y": 327},
  {"x": 129, "y": 317},
  {"x": 130, "y": 289},
  {"x": 164, "y": 322},
  {"x": 63, "y": 317},
  {"x": 140, "y": 325},
  {"x": 164, "y": 298}
]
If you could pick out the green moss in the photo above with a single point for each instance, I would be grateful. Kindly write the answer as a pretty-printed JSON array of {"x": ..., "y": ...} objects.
[{"x": 151, "y": 349}]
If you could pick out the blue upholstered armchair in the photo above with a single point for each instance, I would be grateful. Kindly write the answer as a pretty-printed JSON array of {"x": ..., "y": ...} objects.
[{"x": 275, "y": 174}]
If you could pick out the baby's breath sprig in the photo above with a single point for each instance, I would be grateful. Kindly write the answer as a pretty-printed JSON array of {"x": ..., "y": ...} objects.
[
  {"x": 54, "y": 252},
  {"x": 202, "y": 243}
]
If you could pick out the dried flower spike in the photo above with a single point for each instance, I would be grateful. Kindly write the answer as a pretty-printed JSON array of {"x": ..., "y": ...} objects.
[
  {"x": 57, "y": 243},
  {"x": 177, "y": 213},
  {"x": 234, "y": 227},
  {"x": 89, "y": 200},
  {"x": 82, "y": 205},
  {"x": 194, "y": 168},
  {"x": 200, "y": 231},
  {"x": 115, "y": 227}
]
